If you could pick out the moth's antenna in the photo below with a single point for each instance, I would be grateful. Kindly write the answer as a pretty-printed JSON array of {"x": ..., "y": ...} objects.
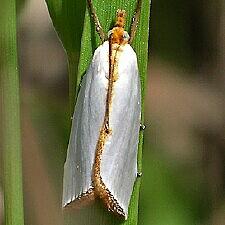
[
  {"x": 96, "y": 20},
  {"x": 135, "y": 21}
]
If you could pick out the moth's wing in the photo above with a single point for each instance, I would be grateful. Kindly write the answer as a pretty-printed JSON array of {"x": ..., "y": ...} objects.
[
  {"x": 119, "y": 159},
  {"x": 87, "y": 120}
]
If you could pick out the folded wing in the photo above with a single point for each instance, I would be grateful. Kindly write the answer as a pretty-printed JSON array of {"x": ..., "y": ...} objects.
[
  {"x": 87, "y": 120},
  {"x": 119, "y": 158}
]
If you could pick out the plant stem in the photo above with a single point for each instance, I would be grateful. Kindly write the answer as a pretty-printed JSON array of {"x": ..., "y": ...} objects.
[{"x": 11, "y": 136}]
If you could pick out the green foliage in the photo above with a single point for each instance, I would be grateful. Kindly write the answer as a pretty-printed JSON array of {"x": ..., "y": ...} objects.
[
  {"x": 70, "y": 19},
  {"x": 19, "y": 5},
  {"x": 67, "y": 17},
  {"x": 11, "y": 137}
]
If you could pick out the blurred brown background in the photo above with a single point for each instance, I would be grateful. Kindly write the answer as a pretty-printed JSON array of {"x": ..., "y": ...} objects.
[{"x": 184, "y": 146}]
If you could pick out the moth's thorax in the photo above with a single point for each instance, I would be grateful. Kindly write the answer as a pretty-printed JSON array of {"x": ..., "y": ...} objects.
[
  {"x": 117, "y": 48},
  {"x": 118, "y": 36},
  {"x": 122, "y": 56}
]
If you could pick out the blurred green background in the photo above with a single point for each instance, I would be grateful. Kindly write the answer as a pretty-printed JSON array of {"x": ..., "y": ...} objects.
[{"x": 184, "y": 145}]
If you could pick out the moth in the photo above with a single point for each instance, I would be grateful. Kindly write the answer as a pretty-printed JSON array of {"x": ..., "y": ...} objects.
[{"x": 102, "y": 151}]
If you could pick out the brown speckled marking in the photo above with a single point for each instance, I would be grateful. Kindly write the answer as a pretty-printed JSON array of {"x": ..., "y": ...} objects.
[{"x": 115, "y": 48}]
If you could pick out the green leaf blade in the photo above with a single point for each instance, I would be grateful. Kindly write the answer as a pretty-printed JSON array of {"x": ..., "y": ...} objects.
[{"x": 10, "y": 129}]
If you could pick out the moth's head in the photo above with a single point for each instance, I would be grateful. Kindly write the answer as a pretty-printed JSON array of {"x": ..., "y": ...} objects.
[{"x": 118, "y": 34}]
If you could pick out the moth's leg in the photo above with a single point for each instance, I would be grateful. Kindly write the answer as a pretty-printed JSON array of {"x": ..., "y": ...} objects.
[
  {"x": 139, "y": 174},
  {"x": 135, "y": 20},
  {"x": 142, "y": 126},
  {"x": 96, "y": 20}
]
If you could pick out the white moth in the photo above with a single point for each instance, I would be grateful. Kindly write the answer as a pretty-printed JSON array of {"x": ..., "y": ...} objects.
[{"x": 102, "y": 152}]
